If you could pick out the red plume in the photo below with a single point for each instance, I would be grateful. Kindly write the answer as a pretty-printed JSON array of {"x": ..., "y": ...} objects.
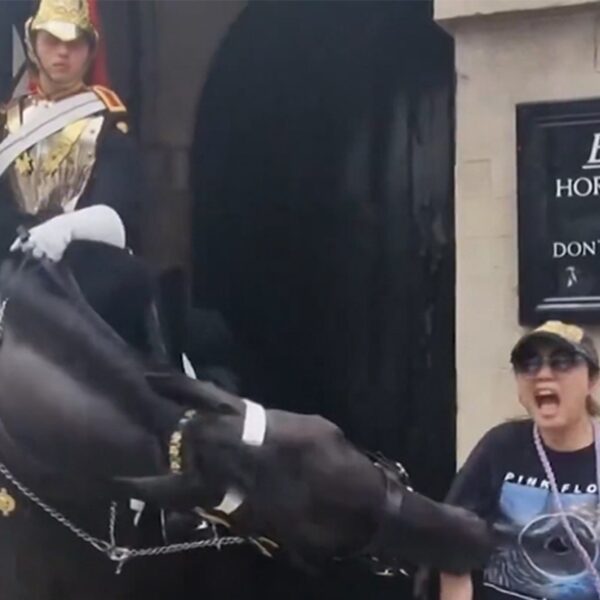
[{"x": 99, "y": 70}]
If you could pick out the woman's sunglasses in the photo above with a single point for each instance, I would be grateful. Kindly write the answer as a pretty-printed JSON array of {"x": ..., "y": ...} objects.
[{"x": 559, "y": 362}]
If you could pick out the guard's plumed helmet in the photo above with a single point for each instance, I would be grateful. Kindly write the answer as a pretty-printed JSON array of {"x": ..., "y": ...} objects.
[{"x": 65, "y": 19}]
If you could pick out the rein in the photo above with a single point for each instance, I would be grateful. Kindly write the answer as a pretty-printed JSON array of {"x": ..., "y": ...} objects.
[{"x": 110, "y": 548}]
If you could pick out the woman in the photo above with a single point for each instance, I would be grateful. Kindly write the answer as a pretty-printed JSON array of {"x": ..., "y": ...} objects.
[{"x": 537, "y": 479}]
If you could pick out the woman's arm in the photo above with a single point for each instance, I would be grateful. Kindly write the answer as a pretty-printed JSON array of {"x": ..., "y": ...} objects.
[{"x": 456, "y": 587}]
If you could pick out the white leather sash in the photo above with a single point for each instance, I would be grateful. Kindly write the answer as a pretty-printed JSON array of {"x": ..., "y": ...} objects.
[{"x": 47, "y": 121}]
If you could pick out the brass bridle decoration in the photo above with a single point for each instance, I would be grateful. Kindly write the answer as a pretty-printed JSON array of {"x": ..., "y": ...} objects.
[{"x": 176, "y": 442}]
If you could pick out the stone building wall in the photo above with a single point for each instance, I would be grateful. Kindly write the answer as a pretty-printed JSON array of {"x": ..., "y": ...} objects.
[
  {"x": 178, "y": 42},
  {"x": 507, "y": 52}
]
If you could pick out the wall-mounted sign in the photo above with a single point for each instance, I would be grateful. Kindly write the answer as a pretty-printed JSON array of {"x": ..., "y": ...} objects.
[{"x": 559, "y": 211}]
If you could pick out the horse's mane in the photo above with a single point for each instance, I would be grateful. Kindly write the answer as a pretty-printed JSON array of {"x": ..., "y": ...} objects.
[{"x": 64, "y": 328}]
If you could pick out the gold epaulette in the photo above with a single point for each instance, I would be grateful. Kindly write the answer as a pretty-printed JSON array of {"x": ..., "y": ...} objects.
[{"x": 111, "y": 100}]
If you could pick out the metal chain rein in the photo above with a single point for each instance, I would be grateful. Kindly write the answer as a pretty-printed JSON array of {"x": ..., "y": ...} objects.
[{"x": 118, "y": 554}]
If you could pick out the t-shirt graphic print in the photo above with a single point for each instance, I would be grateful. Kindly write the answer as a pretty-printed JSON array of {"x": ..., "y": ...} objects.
[
  {"x": 538, "y": 558},
  {"x": 504, "y": 482}
]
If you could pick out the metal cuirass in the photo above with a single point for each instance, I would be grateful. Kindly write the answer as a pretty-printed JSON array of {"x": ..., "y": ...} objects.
[{"x": 52, "y": 175}]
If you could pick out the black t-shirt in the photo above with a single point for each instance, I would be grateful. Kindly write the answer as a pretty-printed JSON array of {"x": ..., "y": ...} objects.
[{"x": 504, "y": 482}]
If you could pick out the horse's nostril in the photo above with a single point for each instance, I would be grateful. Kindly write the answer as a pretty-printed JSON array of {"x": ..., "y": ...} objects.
[{"x": 558, "y": 545}]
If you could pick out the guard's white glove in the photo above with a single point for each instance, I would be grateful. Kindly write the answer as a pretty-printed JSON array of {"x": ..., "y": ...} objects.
[{"x": 98, "y": 223}]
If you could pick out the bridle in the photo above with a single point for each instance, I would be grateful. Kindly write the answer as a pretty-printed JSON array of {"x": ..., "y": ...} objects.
[{"x": 253, "y": 434}]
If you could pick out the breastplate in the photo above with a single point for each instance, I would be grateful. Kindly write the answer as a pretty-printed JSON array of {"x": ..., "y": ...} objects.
[{"x": 53, "y": 174}]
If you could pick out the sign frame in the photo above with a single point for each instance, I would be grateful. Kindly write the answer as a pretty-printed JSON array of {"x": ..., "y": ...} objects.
[{"x": 538, "y": 166}]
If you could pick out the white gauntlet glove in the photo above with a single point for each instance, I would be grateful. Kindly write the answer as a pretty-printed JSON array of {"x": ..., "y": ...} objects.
[{"x": 98, "y": 223}]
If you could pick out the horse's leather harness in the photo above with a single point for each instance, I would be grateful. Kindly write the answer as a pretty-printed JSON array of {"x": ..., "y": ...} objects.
[{"x": 254, "y": 431}]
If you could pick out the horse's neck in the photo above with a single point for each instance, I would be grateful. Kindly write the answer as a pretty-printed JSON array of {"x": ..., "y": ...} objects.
[{"x": 72, "y": 334}]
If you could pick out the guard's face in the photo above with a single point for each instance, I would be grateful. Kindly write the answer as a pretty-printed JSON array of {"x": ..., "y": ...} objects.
[
  {"x": 553, "y": 384},
  {"x": 64, "y": 63}
]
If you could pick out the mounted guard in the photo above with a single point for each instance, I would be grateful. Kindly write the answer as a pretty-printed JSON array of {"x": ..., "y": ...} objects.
[{"x": 70, "y": 174}]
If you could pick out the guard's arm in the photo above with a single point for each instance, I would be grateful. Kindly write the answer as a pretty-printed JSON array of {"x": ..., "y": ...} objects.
[
  {"x": 117, "y": 179},
  {"x": 118, "y": 182}
]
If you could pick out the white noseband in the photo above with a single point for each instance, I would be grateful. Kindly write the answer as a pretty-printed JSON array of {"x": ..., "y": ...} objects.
[
  {"x": 253, "y": 434},
  {"x": 255, "y": 424}
]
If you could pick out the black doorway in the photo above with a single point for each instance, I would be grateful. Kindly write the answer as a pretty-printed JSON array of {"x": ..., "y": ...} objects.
[{"x": 324, "y": 227}]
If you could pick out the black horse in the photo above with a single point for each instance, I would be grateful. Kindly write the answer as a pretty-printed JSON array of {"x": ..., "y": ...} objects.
[{"x": 82, "y": 418}]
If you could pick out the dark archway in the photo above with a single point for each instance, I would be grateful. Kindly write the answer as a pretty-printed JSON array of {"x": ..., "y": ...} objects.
[
  {"x": 324, "y": 226},
  {"x": 13, "y": 14}
]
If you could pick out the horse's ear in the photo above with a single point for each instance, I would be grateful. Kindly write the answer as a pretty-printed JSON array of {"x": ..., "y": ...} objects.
[{"x": 192, "y": 393}]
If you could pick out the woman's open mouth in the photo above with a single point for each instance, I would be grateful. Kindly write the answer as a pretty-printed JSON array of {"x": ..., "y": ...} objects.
[{"x": 547, "y": 402}]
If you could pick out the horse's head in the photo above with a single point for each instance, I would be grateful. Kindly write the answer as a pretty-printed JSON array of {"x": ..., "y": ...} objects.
[
  {"x": 297, "y": 481},
  {"x": 74, "y": 396}
]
